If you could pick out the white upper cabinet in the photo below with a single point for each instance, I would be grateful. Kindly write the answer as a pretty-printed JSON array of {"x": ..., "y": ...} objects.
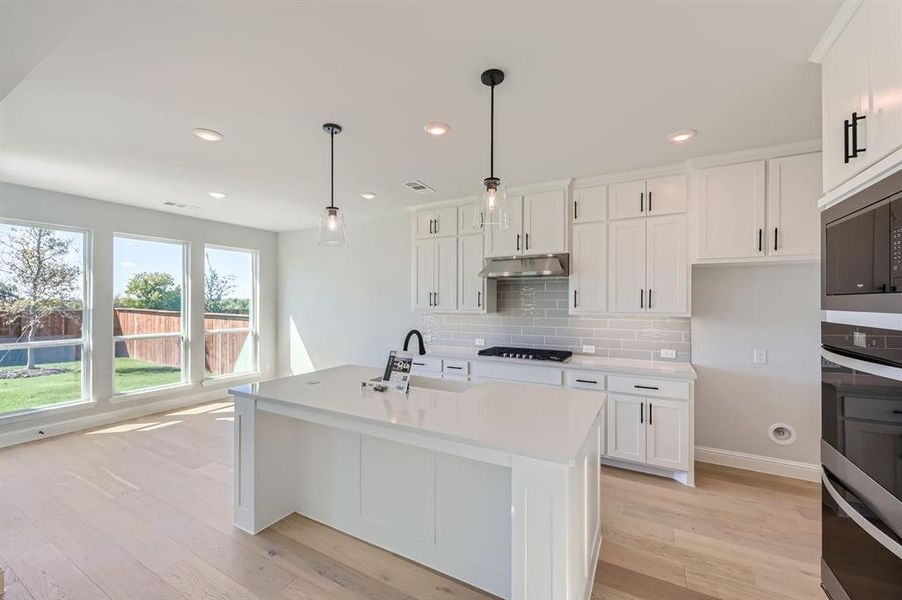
[
  {"x": 667, "y": 265},
  {"x": 590, "y": 204},
  {"x": 538, "y": 225},
  {"x": 731, "y": 211},
  {"x": 626, "y": 279},
  {"x": 626, "y": 200},
  {"x": 423, "y": 273},
  {"x": 862, "y": 92},
  {"x": 667, "y": 195},
  {"x": 440, "y": 222},
  {"x": 793, "y": 220},
  {"x": 588, "y": 268},
  {"x": 435, "y": 274},
  {"x": 470, "y": 286},
  {"x": 466, "y": 225}
]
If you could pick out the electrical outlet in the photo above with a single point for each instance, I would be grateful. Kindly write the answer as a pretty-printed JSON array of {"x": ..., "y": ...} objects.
[
  {"x": 588, "y": 349},
  {"x": 759, "y": 356},
  {"x": 668, "y": 353},
  {"x": 427, "y": 338},
  {"x": 479, "y": 342},
  {"x": 860, "y": 339}
]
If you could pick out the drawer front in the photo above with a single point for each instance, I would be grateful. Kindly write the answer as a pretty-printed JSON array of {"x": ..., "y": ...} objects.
[
  {"x": 453, "y": 377},
  {"x": 456, "y": 367},
  {"x": 521, "y": 373},
  {"x": 589, "y": 380},
  {"x": 888, "y": 410},
  {"x": 642, "y": 386},
  {"x": 424, "y": 365}
]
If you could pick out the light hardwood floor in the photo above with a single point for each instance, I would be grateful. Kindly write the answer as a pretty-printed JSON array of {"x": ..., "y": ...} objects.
[{"x": 142, "y": 510}]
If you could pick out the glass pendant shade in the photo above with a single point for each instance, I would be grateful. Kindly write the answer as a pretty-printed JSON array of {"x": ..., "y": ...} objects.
[
  {"x": 491, "y": 209},
  {"x": 332, "y": 231}
]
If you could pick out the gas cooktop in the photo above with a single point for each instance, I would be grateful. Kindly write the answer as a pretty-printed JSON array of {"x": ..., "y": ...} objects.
[{"x": 527, "y": 353}]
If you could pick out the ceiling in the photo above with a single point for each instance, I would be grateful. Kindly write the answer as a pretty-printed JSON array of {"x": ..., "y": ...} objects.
[{"x": 104, "y": 96}]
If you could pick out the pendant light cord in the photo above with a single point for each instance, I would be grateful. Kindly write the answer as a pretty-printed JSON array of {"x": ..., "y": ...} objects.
[
  {"x": 492, "y": 135},
  {"x": 332, "y": 168}
]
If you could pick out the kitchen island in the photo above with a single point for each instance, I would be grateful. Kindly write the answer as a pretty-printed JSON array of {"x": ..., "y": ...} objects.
[{"x": 497, "y": 484}]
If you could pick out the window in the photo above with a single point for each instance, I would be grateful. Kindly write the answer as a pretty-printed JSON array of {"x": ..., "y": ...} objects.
[
  {"x": 230, "y": 330},
  {"x": 149, "y": 324},
  {"x": 43, "y": 333}
]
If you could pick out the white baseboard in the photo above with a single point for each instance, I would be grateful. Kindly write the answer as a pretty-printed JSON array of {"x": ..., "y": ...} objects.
[
  {"x": 28, "y": 433},
  {"x": 756, "y": 462}
]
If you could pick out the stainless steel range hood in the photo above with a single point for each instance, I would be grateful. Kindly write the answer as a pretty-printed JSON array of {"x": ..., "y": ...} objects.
[{"x": 513, "y": 267}]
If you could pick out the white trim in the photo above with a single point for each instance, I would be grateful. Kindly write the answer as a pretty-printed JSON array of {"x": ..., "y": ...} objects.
[
  {"x": 532, "y": 188},
  {"x": 146, "y": 336},
  {"x": 143, "y": 393},
  {"x": 756, "y": 462},
  {"x": 232, "y": 379},
  {"x": 35, "y": 432},
  {"x": 757, "y": 260},
  {"x": 863, "y": 319},
  {"x": 763, "y": 153},
  {"x": 55, "y": 343},
  {"x": 232, "y": 330},
  {"x": 39, "y": 411},
  {"x": 877, "y": 171},
  {"x": 833, "y": 31},
  {"x": 635, "y": 174}
]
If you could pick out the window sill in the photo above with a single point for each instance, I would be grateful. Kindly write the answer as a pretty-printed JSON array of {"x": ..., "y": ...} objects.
[
  {"x": 224, "y": 380},
  {"x": 151, "y": 392},
  {"x": 53, "y": 409}
]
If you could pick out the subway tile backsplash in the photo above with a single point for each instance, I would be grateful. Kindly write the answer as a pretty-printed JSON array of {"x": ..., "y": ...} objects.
[{"x": 533, "y": 313}]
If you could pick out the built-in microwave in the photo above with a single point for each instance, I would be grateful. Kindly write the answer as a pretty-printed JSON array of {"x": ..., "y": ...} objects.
[{"x": 861, "y": 250}]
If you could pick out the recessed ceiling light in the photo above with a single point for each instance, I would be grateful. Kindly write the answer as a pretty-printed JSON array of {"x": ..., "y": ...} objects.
[
  {"x": 367, "y": 195},
  {"x": 437, "y": 128},
  {"x": 217, "y": 195},
  {"x": 208, "y": 135},
  {"x": 682, "y": 136}
]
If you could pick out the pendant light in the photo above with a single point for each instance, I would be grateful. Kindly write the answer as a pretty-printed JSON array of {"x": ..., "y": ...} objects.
[
  {"x": 491, "y": 208},
  {"x": 332, "y": 230}
]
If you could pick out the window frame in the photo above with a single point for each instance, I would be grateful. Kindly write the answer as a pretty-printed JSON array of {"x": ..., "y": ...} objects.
[
  {"x": 87, "y": 316},
  {"x": 252, "y": 329},
  {"x": 184, "y": 334}
]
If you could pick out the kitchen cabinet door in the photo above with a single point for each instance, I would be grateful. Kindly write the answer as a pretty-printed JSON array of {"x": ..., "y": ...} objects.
[
  {"x": 590, "y": 204},
  {"x": 588, "y": 268},
  {"x": 544, "y": 223},
  {"x": 667, "y": 265},
  {"x": 668, "y": 434},
  {"x": 626, "y": 437},
  {"x": 884, "y": 130},
  {"x": 446, "y": 221},
  {"x": 626, "y": 200},
  {"x": 470, "y": 286},
  {"x": 878, "y": 446},
  {"x": 424, "y": 223},
  {"x": 424, "y": 274},
  {"x": 507, "y": 242},
  {"x": 793, "y": 219},
  {"x": 845, "y": 82},
  {"x": 445, "y": 274},
  {"x": 465, "y": 223},
  {"x": 667, "y": 195},
  {"x": 626, "y": 265},
  {"x": 731, "y": 211}
]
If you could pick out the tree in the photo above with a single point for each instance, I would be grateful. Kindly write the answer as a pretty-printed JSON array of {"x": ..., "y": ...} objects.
[
  {"x": 216, "y": 287},
  {"x": 156, "y": 291},
  {"x": 40, "y": 280}
]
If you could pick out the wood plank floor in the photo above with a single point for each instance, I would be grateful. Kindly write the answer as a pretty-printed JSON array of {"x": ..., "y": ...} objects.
[{"x": 142, "y": 510}]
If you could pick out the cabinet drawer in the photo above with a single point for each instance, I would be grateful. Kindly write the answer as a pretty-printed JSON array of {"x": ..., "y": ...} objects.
[
  {"x": 453, "y": 377},
  {"x": 424, "y": 365},
  {"x": 873, "y": 409},
  {"x": 456, "y": 367},
  {"x": 521, "y": 373},
  {"x": 661, "y": 388},
  {"x": 589, "y": 380}
]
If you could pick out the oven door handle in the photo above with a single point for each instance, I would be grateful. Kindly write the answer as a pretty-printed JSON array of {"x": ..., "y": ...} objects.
[
  {"x": 885, "y": 540},
  {"x": 864, "y": 366}
]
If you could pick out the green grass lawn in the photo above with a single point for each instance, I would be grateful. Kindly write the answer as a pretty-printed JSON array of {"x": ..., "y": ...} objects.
[{"x": 32, "y": 392}]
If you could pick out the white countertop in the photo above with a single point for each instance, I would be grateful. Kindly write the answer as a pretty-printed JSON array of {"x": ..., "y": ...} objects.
[
  {"x": 630, "y": 366},
  {"x": 544, "y": 422}
]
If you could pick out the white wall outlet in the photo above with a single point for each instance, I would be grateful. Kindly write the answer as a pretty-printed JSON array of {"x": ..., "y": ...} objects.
[
  {"x": 588, "y": 349},
  {"x": 759, "y": 356},
  {"x": 668, "y": 353},
  {"x": 860, "y": 339},
  {"x": 427, "y": 338},
  {"x": 479, "y": 342}
]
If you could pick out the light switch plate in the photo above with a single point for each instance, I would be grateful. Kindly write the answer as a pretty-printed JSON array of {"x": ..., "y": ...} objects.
[
  {"x": 479, "y": 342},
  {"x": 668, "y": 353},
  {"x": 759, "y": 356},
  {"x": 588, "y": 349}
]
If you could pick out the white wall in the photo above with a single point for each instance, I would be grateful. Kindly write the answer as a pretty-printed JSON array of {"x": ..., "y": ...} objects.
[
  {"x": 736, "y": 309},
  {"x": 344, "y": 305},
  {"x": 103, "y": 219}
]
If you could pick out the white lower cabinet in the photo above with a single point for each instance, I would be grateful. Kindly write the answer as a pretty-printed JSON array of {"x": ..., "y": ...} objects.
[
  {"x": 626, "y": 427},
  {"x": 667, "y": 438}
]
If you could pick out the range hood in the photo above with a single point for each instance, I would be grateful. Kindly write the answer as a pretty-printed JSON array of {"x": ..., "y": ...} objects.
[{"x": 513, "y": 267}]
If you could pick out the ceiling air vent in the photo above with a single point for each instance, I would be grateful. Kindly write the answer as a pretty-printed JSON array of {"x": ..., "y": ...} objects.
[
  {"x": 180, "y": 205},
  {"x": 418, "y": 186}
]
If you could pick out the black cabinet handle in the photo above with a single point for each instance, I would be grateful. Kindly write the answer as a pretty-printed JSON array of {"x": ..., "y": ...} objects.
[
  {"x": 457, "y": 368},
  {"x": 649, "y": 201},
  {"x": 850, "y": 148},
  {"x": 527, "y": 241},
  {"x": 416, "y": 364},
  {"x": 436, "y": 298},
  {"x": 845, "y": 141},
  {"x": 436, "y": 226},
  {"x": 649, "y": 297},
  {"x": 642, "y": 413},
  {"x": 776, "y": 231},
  {"x": 574, "y": 298},
  {"x": 641, "y": 202},
  {"x": 855, "y": 149},
  {"x": 479, "y": 299},
  {"x": 651, "y": 412},
  {"x": 645, "y": 387},
  {"x": 575, "y": 210},
  {"x": 481, "y": 220},
  {"x": 642, "y": 298},
  {"x": 897, "y": 412},
  {"x": 586, "y": 381},
  {"x": 760, "y": 239},
  {"x": 518, "y": 242}
]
